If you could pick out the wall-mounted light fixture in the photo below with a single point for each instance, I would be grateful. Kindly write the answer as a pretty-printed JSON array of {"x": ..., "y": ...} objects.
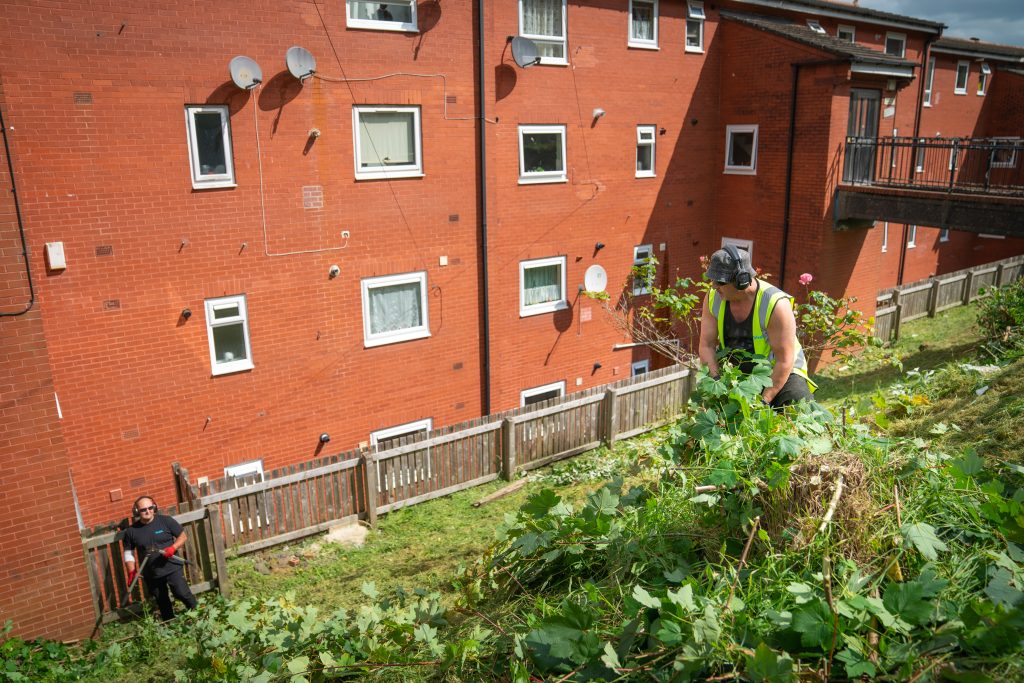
[
  {"x": 661, "y": 131},
  {"x": 598, "y": 113},
  {"x": 597, "y": 366},
  {"x": 325, "y": 437},
  {"x": 598, "y": 246},
  {"x": 186, "y": 313}
]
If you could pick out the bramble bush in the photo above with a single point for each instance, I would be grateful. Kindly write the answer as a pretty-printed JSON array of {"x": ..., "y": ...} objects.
[{"x": 1001, "y": 317}]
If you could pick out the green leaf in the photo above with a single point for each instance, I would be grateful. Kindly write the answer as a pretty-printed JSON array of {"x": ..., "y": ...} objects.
[
  {"x": 814, "y": 624},
  {"x": 610, "y": 658},
  {"x": 970, "y": 464},
  {"x": 783, "y": 619},
  {"x": 669, "y": 632},
  {"x": 1001, "y": 591},
  {"x": 912, "y": 601},
  {"x": 539, "y": 503},
  {"x": 327, "y": 659},
  {"x": 707, "y": 628},
  {"x": 262, "y": 677},
  {"x": 856, "y": 664},
  {"x": 239, "y": 617},
  {"x": 641, "y": 595},
  {"x": 922, "y": 536},
  {"x": 684, "y": 598},
  {"x": 788, "y": 446},
  {"x": 820, "y": 445},
  {"x": 298, "y": 665},
  {"x": 965, "y": 677},
  {"x": 767, "y": 666},
  {"x": 801, "y": 591}
]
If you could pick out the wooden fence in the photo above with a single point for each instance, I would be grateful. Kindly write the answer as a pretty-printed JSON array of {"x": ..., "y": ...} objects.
[
  {"x": 898, "y": 305},
  {"x": 238, "y": 515}
]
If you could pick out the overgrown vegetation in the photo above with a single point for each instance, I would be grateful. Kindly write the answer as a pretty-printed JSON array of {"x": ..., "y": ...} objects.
[{"x": 883, "y": 541}]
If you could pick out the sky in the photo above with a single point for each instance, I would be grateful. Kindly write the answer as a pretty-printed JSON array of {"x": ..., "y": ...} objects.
[{"x": 994, "y": 21}]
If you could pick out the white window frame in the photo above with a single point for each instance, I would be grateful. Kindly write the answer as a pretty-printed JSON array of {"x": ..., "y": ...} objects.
[
  {"x": 403, "y": 171},
  {"x": 983, "y": 77},
  {"x": 547, "y": 306},
  {"x": 641, "y": 131},
  {"x": 1012, "y": 163},
  {"x": 851, "y": 30},
  {"x": 212, "y": 305},
  {"x": 528, "y": 393},
  {"x": 639, "y": 367},
  {"x": 237, "y": 472},
  {"x": 641, "y": 254},
  {"x": 538, "y": 177},
  {"x": 885, "y": 237},
  {"x": 381, "y": 338},
  {"x": 990, "y": 236},
  {"x": 424, "y": 425},
  {"x": 816, "y": 26},
  {"x": 943, "y": 234},
  {"x": 902, "y": 37},
  {"x": 694, "y": 12},
  {"x": 380, "y": 24},
  {"x": 398, "y": 474},
  {"x": 244, "y": 468},
  {"x": 537, "y": 38},
  {"x": 745, "y": 245},
  {"x": 929, "y": 83},
  {"x": 911, "y": 236},
  {"x": 206, "y": 182},
  {"x": 645, "y": 44},
  {"x": 966, "y": 66},
  {"x": 741, "y": 170}
]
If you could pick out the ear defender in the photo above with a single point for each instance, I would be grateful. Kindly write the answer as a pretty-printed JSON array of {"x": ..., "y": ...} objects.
[
  {"x": 742, "y": 277},
  {"x": 135, "y": 506}
]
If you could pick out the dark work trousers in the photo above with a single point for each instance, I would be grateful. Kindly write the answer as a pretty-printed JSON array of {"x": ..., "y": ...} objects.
[
  {"x": 158, "y": 586},
  {"x": 795, "y": 389}
]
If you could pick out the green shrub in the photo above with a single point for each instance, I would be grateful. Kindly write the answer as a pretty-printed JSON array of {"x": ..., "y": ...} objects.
[{"x": 1001, "y": 314}]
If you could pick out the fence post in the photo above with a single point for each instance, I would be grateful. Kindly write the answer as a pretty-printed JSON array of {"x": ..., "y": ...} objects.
[
  {"x": 933, "y": 299},
  {"x": 896, "y": 320},
  {"x": 999, "y": 275},
  {"x": 611, "y": 415},
  {"x": 508, "y": 449},
  {"x": 217, "y": 536},
  {"x": 370, "y": 469},
  {"x": 968, "y": 287}
]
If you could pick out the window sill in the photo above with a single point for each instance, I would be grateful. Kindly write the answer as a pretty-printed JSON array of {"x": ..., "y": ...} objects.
[
  {"x": 213, "y": 185},
  {"x": 239, "y": 366},
  {"x": 396, "y": 338},
  {"x": 642, "y": 46},
  {"x": 739, "y": 171},
  {"x": 959, "y": 92},
  {"x": 389, "y": 175},
  {"x": 541, "y": 309},
  {"x": 646, "y": 174},
  {"x": 551, "y": 61},
  {"x": 695, "y": 50},
  {"x": 927, "y": 104},
  {"x": 981, "y": 94},
  {"x": 370, "y": 25},
  {"x": 527, "y": 180}
]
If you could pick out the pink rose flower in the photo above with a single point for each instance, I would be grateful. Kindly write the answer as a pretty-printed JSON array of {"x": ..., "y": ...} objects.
[{"x": 806, "y": 278}]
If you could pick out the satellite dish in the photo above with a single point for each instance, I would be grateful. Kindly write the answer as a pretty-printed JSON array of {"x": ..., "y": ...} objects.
[
  {"x": 300, "y": 62},
  {"x": 595, "y": 279},
  {"x": 524, "y": 52},
  {"x": 245, "y": 72}
]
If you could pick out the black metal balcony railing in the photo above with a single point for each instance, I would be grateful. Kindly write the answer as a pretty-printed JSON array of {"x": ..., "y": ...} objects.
[{"x": 974, "y": 165}]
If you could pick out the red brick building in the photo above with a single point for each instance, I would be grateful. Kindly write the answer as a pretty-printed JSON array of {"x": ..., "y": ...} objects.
[{"x": 357, "y": 253}]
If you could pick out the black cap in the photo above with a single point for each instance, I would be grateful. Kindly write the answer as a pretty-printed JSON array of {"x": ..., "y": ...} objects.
[{"x": 723, "y": 268}]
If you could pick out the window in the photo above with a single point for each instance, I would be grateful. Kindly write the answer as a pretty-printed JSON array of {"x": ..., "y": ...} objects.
[
  {"x": 543, "y": 22},
  {"x": 541, "y": 154},
  {"x": 944, "y": 235},
  {"x": 395, "y": 15},
  {"x": 245, "y": 522},
  {"x": 645, "y": 151},
  {"x": 641, "y": 257},
  {"x": 986, "y": 71},
  {"x": 1004, "y": 154},
  {"x": 383, "y": 439},
  {"x": 695, "y": 26},
  {"x": 643, "y": 24},
  {"x": 885, "y": 237},
  {"x": 245, "y": 469},
  {"x": 815, "y": 26},
  {"x": 847, "y": 33},
  {"x": 542, "y": 286},
  {"x": 395, "y": 309},
  {"x": 896, "y": 44},
  {"x": 963, "y": 70},
  {"x": 528, "y": 397},
  {"x": 741, "y": 149},
  {"x": 928, "y": 82},
  {"x": 387, "y": 142},
  {"x": 640, "y": 367},
  {"x": 209, "y": 146},
  {"x": 227, "y": 328},
  {"x": 398, "y": 472},
  {"x": 911, "y": 236}
]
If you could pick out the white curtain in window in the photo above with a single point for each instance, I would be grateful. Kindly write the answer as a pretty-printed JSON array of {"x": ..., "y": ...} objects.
[
  {"x": 543, "y": 18},
  {"x": 386, "y": 139},
  {"x": 396, "y": 307},
  {"x": 541, "y": 285},
  {"x": 643, "y": 20}
]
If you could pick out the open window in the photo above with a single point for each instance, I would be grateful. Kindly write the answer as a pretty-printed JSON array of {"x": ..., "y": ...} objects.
[
  {"x": 543, "y": 22},
  {"x": 741, "y": 149},
  {"x": 393, "y": 15},
  {"x": 209, "y": 146},
  {"x": 695, "y": 18},
  {"x": 227, "y": 329}
]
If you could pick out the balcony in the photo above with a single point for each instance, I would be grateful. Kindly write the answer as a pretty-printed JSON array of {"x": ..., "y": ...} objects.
[{"x": 973, "y": 184}]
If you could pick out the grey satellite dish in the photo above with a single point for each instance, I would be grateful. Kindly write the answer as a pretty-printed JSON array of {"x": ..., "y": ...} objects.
[
  {"x": 595, "y": 279},
  {"x": 245, "y": 72},
  {"x": 300, "y": 62},
  {"x": 524, "y": 52}
]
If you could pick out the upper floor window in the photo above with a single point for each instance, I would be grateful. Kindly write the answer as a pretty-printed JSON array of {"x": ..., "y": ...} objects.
[
  {"x": 896, "y": 44},
  {"x": 227, "y": 329},
  {"x": 395, "y": 309},
  {"x": 387, "y": 142},
  {"x": 963, "y": 71},
  {"x": 209, "y": 146},
  {"x": 541, "y": 154},
  {"x": 543, "y": 22},
  {"x": 847, "y": 33},
  {"x": 643, "y": 23},
  {"x": 929, "y": 80},
  {"x": 983, "y": 77},
  {"x": 816, "y": 26},
  {"x": 885, "y": 237},
  {"x": 911, "y": 236},
  {"x": 1004, "y": 155},
  {"x": 542, "y": 286},
  {"x": 741, "y": 149},
  {"x": 695, "y": 26},
  {"x": 394, "y": 15},
  {"x": 644, "y": 151},
  {"x": 944, "y": 235},
  {"x": 642, "y": 257}
]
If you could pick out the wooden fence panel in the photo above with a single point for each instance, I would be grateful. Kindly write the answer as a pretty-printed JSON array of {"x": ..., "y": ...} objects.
[
  {"x": 546, "y": 435},
  {"x": 642, "y": 409},
  {"x": 914, "y": 301},
  {"x": 951, "y": 292},
  {"x": 884, "y": 318},
  {"x": 982, "y": 279}
]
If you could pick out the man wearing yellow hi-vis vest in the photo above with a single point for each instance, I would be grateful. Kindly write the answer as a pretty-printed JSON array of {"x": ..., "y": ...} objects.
[{"x": 743, "y": 313}]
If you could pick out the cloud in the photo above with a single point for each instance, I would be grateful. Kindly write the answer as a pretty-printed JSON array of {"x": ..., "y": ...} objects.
[{"x": 994, "y": 21}]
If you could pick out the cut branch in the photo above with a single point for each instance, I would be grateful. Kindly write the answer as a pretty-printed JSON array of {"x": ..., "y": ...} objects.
[{"x": 832, "y": 504}]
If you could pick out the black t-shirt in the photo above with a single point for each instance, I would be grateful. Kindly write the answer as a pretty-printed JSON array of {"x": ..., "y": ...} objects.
[
  {"x": 739, "y": 337},
  {"x": 156, "y": 535}
]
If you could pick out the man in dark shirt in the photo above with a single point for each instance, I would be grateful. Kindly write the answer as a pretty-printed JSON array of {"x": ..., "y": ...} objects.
[{"x": 159, "y": 537}]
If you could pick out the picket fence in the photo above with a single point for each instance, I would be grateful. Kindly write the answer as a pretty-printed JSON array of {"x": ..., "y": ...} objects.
[
  {"x": 237, "y": 515},
  {"x": 898, "y": 305}
]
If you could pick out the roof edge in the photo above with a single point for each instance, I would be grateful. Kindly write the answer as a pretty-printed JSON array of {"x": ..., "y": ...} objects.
[{"x": 852, "y": 12}]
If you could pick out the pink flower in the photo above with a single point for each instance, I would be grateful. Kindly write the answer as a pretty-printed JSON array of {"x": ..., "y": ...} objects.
[{"x": 806, "y": 278}]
